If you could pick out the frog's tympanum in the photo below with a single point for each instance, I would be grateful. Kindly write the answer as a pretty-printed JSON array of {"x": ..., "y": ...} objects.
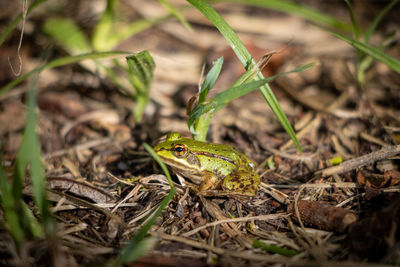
[{"x": 210, "y": 166}]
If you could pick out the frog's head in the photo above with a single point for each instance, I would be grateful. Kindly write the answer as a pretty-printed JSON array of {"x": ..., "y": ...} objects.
[{"x": 174, "y": 150}]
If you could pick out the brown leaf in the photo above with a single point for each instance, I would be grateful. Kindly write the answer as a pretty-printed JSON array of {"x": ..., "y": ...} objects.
[
  {"x": 80, "y": 189},
  {"x": 393, "y": 177},
  {"x": 372, "y": 180}
]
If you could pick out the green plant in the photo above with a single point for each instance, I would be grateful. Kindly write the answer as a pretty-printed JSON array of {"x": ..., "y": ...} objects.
[
  {"x": 57, "y": 63},
  {"x": 247, "y": 61},
  {"x": 297, "y": 9},
  {"x": 15, "y": 22},
  {"x": 107, "y": 34},
  {"x": 141, "y": 67},
  {"x": 366, "y": 53},
  {"x": 201, "y": 114},
  {"x": 20, "y": 221},
  {"x": 140, "y": 244}
]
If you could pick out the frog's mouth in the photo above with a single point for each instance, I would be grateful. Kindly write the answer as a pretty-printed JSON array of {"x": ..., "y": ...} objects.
[{"x": 187, "y": 171}]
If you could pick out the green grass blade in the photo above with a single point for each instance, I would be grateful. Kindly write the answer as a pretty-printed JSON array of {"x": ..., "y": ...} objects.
[
  {"x": 135, "y": 248},
  {"x": 57, "y": 63},
  {"x": 377, "y": 54},
  {"x": 176, "y": 13},
  {"x": 356, "y": 29},
  {"x": 138, "y": 249},
  {"x": 160, "y": 162},
  {"x": 67, "y": 34},
  {"x": 298, "y": 10},
  {"x": 109, "y": 33},
  {"x": 8, "y": 204},
  {"x": 274, "y": 249},
  {"x": 247, "y": 61},
  {"x": 129, "y": 253},
  {"x": 127, "y": 31},
  {"x": 15, "y": 22},
  {"x": 103, "y": 31},
  {"x": 210, "y": 79},
  {"x": 199, "y": 127},
  {"x": 378, "y": 18},
  {"x": 29, "y": 154},
  {"x": 233, "y": 40},
  {"x": 220, "y": 100},
  {"x": 141, "y": 69}
]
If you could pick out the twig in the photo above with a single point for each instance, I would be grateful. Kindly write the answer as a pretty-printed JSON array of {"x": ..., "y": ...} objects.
[
  {"x": 267, "y": 258},
  {"x": 355, "y": 163},
  {"x": 319, "y": 185},
  {"x": 373, "y": 139},
  {"x": 243, "y": 219}
]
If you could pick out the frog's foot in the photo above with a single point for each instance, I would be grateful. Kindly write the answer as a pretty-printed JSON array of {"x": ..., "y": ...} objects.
[
  {"x": 193, "y": 187},
  {"x": 241, "y": 183}
]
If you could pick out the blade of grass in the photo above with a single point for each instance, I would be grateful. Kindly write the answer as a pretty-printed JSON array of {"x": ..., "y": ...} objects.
[
  {"x": 247, "y": 61},
  {"x": 15, "y": 22},
  {"x": 217, "y": 102},
  {"x": 108, "y": 33},
  {"x": 29, "y": 154},
  {"x": 210, "y": 79},
  {"x": 232, "y": 93},
  {"x": 356, "y": 34},
  {"x": 274, "y": 249},
  {"x": 252, "y": 72},
  {"x": 160, "y": 162},
  {"x": 377, "y": 20},
  {"x": 104, "y": 28},
  {"x": 141, "y": 68},
  {"x": 391, "y": 62},
  {"x": 176, "y": 13},
  {"x": 297, "y": 9},
  {"x": 125, "y": 32},
  {"x": 113, "y": 73},
  {"x": 134, "y": 249},
  {"x": 9, "y": 206},
  {"x": 57, "y": 63},
  {"x": 129, "y": 253},
  {"x": 200, "y": 127},
  {"x": 356, "y": 29},
  {"x": 21, "y": 222},
  {"x": 67, "y": 34},
  {"x": 220, "y": 100}
]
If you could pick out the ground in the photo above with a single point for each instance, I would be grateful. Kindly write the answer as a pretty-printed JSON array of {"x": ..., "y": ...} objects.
[{"x": 102, "y": 184}]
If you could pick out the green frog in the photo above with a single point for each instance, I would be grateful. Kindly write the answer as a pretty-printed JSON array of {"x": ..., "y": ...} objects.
[{"x": 210, "y": 166}]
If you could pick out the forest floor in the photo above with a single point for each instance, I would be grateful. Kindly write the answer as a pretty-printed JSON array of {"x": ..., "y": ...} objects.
[{"x": 102, "y": 184}]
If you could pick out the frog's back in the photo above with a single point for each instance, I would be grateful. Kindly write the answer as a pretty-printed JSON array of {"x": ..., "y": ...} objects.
[{"x": 226, "y": 153}]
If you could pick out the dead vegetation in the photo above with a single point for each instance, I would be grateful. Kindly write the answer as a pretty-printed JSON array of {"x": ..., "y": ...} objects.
[{"x": 103, "y": 185}]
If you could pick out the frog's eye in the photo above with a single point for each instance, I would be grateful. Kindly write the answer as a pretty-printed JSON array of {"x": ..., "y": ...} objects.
[{"x": 180, "y": 150}]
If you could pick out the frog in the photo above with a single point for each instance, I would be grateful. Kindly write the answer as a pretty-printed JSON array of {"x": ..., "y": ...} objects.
[{"x": 210, "y": 167}]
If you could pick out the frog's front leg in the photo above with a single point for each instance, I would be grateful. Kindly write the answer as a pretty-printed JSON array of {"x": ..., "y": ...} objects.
[
  {"x": 210, "y": 182},
  {"x": 241, "y": 183}
]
